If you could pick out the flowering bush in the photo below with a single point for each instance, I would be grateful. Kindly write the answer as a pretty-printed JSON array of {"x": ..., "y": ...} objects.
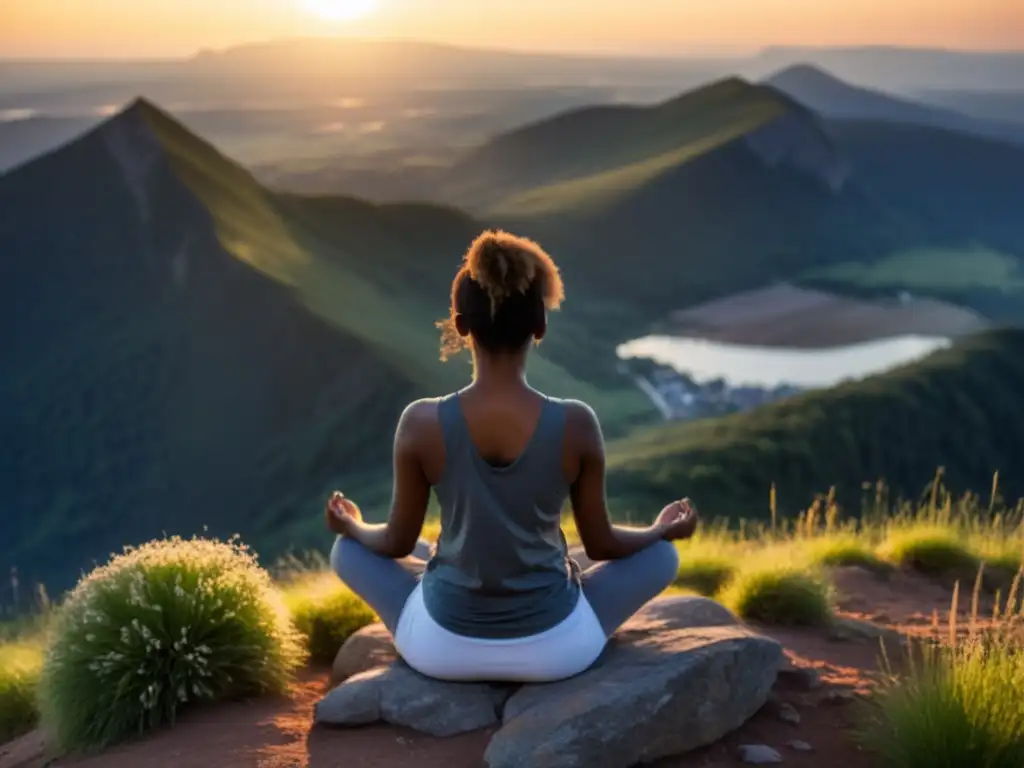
[{"x": 159, "y": 627}]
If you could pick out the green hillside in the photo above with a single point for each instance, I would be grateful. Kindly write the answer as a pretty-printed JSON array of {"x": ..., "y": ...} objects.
[
  {"x": 965, "y": 192},
  {"x": 525, "y": 169},
  {"x": 957, "y": 408},
  {"x": 193, "y": 350},
  {"x": 651, "y": 209}
]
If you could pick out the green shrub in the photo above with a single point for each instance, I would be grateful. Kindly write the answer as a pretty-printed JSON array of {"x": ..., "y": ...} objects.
[
  {"x": 786, "y": 595},
  {"x": 931, "y": 550},
  {"x": 954, "y": 706},
  {"x": 844, "y": 550},
  {"x": 706, "y": 573},
  {"x": 168, "y": 624},
  {"x": 326, "y": 613},
  {"x": 19, "y": 676}
]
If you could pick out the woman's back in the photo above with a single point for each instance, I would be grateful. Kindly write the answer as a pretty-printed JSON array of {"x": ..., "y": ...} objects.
[
  {"x": 501, "y": 568},
  {"x": 501, "y": 600}
]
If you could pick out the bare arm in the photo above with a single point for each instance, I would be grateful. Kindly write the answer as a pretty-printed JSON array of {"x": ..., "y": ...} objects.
[
  {"x": 601, "y": 539},
  {"x": 410, "y": 494}
]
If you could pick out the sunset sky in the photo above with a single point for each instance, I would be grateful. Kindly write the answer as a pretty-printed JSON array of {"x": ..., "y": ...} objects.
[{"x": 162, "y": 28}]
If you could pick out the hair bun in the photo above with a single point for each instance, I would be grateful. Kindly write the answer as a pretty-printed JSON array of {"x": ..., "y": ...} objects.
[
  {"x": 499, "y": 265},
  {"x": 503, "y": 264}
]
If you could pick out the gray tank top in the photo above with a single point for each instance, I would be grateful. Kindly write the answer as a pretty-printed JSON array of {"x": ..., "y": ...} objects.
[{"x": 501, "y": 568}]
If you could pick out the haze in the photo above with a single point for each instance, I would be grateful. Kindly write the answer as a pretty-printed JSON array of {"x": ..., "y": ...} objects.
[{"x": 128, "y": 29}]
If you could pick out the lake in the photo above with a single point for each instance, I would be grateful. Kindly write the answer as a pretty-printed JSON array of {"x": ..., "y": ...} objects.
[{"x": 772, "y": 366}]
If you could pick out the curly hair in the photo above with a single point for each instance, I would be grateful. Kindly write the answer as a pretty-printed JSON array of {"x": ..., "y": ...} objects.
[{"x": 502, "y": 291}]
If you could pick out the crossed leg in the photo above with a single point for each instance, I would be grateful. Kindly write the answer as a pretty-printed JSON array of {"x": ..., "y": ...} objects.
[{"x": 615, "y": 589}]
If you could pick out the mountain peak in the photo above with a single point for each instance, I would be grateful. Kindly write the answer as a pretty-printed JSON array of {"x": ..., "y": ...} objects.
[
  {"x": 834, "y": 98},
  {"x": 805, "y": 75},
  {"x": 143, "y": 126}
]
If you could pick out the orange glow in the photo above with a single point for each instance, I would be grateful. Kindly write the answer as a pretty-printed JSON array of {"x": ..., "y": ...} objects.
[
  {"x": 340, "y": 10},
  {"x": 159, "y": 28}
]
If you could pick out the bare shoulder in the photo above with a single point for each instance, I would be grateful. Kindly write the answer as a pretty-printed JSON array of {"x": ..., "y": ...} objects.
[
  {"x": 581, "y": 421},
  {"x": 420, "y": 416}
]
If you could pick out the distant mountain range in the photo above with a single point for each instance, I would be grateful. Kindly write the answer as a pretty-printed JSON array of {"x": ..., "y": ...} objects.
[
  {"x": 264, "y": 101},
  {"x": 186, "y": 347},
  {"x": 378, "y": 62},
  {"x": 896, "y": 69},
  {"x": 832, "y": 98}
]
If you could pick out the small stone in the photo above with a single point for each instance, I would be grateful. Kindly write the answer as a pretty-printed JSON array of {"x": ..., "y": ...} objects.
[
  {"x": 759, "y": 754},
  {"x": 369, "y": 648},
  {"x": 839, "y": 697},
  {"x": 846, "y": 629},
  {"x": 798, "y": 679},
  {"x": 356, "y": 702},
  {"x": 800, "y": 746},
  {"x": 788, "y": 714}
]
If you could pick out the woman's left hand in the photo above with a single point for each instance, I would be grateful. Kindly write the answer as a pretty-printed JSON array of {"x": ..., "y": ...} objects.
[{"x": 341, "y": 513}]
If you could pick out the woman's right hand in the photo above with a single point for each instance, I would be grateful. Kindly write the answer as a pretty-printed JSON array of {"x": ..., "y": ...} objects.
[
  {"x": 340, "y": 512},
  {"x": 678, "y": 520}
]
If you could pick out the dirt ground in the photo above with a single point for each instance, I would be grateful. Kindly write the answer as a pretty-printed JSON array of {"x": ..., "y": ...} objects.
[{"x": 278, "y": 732}]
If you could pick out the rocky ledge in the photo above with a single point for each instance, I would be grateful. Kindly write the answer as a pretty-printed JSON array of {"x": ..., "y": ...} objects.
[{"x": 680, "y": 675}]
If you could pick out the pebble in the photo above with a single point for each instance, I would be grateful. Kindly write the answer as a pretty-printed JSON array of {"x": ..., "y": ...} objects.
[
  {"x": 800, "y": 746},
  {"x": 799, "y": 678},
  {"x": 788, "y": 714},
  {"x": 839, "y": 697},
  {"x": 759, "y": 754}
]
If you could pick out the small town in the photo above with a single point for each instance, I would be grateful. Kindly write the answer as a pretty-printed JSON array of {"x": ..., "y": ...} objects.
[{"x": 680, "y": 397}]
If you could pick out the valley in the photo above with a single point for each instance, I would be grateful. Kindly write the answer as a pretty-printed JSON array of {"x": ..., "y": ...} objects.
[{"x": 245, "y": 335}]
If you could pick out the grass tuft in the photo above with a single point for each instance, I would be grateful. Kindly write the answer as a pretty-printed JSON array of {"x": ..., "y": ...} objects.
[
  {"x": 956, "y": 702},
  {"x": 929, "y": 549},
  {"x": 161, "y": 627},
  {"x": 326, "y": 613},
  {"x": 844, "y": 550},
  {"x": 779, "y": 594},
  {"x": 20, "y": 665},
  {"x": 705, "y": 573}
]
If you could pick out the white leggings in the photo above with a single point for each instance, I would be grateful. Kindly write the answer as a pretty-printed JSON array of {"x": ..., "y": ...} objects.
[{"x": 612, "y": 592}]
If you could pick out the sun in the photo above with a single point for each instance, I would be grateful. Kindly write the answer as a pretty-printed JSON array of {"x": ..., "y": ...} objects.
[{"x": 340, "y": 10}]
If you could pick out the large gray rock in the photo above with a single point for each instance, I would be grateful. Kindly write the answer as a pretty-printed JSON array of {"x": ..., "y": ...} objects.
[
  {"x": 680, "y": 674},
  {"x": 401, "y": 696},
  {"x": 664, "y": 614},
  {"x": 372, "y": 647},
  {"x": 654, "y": 693}
]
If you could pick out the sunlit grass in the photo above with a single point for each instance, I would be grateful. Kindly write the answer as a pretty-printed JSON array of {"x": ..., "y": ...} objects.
[
  {"x": 325, "y": 612},
  {"x": 843, "y": 549},
  {"x": 20, "y": 665},
  {"x": 929, "y": 549},
  {"x": 706, "y": 566},
  {"x": 774, "y": 572},
  {"x": 955, "y": 700},
  {"x": 779, "y": 593}
]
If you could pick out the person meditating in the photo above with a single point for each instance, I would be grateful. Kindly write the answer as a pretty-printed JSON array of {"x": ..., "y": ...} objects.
[{"x": 499, "y": 598}]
